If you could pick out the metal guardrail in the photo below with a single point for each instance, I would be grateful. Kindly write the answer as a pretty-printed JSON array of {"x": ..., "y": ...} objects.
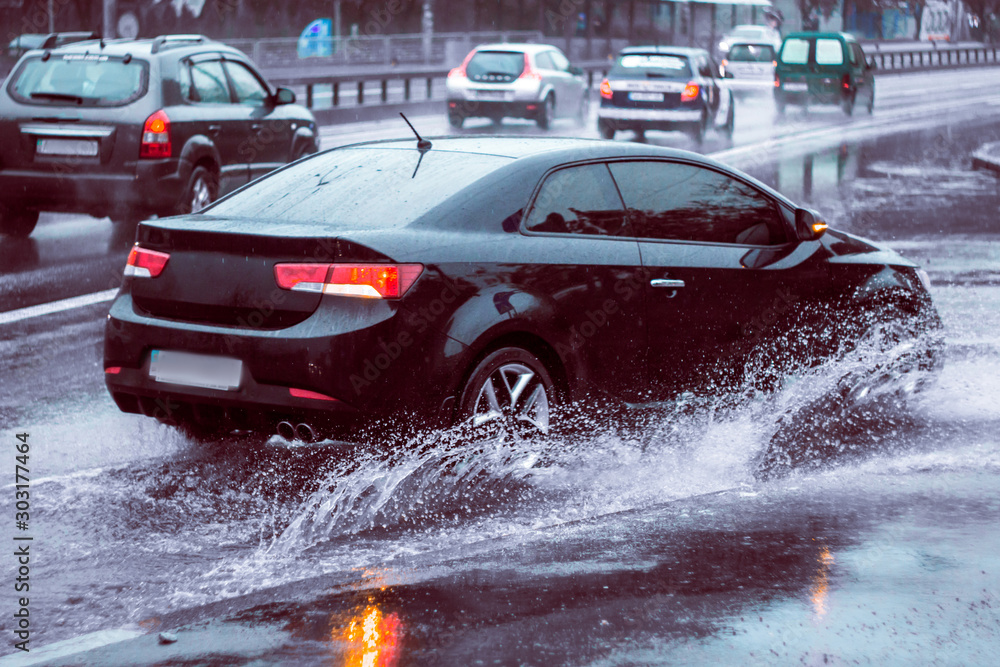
[{"x": 942, "y": 57}]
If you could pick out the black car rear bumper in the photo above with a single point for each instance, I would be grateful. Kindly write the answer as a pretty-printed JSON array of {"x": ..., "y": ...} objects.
[
  {"x": 493, "y": 109},
  {"x": 154, "y": 186}
]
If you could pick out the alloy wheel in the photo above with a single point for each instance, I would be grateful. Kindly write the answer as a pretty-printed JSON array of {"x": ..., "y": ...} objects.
[{"x": 513, "y": 396}]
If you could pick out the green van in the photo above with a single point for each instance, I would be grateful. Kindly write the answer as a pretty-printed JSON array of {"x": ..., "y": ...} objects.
[{"x": 823, "y": 68}]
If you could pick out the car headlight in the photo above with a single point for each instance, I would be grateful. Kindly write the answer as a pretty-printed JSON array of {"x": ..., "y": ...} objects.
[{"x": 925, "y": 279}]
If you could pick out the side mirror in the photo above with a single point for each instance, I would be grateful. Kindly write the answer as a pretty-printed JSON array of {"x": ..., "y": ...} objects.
[
  {"x": 284, "y": 96},
  {"x": 808, "y": 225}
]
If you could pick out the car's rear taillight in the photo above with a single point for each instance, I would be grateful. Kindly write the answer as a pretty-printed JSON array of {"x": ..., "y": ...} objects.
[
  {"x": 144, "y": 263},
  {"x": 606, "y": 91},
  {"x": 690, "y": 92},
  {"x": 777, "y": 80},
  {"x": 460, "y": 72},
  {"x": 156, "y": 136},
  {"x": 846, "y": 82},
  {"x": 529, "y": 72},
  {"x": 373, "y": 281}
]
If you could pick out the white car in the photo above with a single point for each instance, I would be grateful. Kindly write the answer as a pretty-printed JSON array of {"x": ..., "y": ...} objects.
[
  {"x": 758, "y": 34},
  {"x": 534, "y": 81},
  {"x": 749, "y": 67}
]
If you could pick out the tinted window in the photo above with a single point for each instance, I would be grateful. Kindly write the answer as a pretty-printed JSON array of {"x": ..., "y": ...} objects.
[
  {"x": 795, "y": 51},
  {"x": 560, "y": 60},
  {"x": 578, "y": 200},
  {"x": 668, "y": 200},
  {"x": 249, "y": 89},
  {"x": 858, "y": 55},
  {"x": 651, "y": 65},
  {"x": 495, "y": 66},
  {"x": 829, "y": 52},
  {"x": 360, "y": 188},
  {"x": 79, "y": 80},
  {"x": 208, "y": 83},
  {"x": 751, "y": 53}
]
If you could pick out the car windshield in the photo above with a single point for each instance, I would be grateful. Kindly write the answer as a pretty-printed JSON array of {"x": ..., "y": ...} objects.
[
  {"x": 795, "y": 51},
  {"x": 487, "y": 65},
  {"x": 651, "y": 65},
  {"x": 751, "y": 53},
  {"x": 79, "y": 79},
  {"x": 360, "y": 188}
]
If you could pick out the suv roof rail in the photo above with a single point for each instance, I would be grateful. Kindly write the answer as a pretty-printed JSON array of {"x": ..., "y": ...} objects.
[
  {"x": 175, "y": 40},
  {"x": 52, "y": 40}
]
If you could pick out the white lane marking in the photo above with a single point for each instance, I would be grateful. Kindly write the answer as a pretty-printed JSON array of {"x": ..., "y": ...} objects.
[
  {"x": 69, "y": 647},
  {"x": 57, "y": 306}
]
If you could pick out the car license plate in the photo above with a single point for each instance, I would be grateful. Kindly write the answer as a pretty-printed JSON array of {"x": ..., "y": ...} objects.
[
  {"x": 795, "y": 86},
  {"x": 646, "y": 97},
  {"x": 78, "y": 147},
  {"x": 491, "y": 95},
  {"x": 195, "y": 370}
]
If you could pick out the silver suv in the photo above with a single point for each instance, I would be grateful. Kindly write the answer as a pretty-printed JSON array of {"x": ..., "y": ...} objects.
[{"x": 534, "y": 81}]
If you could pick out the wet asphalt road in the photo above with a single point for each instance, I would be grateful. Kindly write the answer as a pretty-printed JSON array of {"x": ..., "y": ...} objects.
[{"x": 656, "y": 548}]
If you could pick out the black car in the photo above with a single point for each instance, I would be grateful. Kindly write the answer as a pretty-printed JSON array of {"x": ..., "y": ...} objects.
[
  {"x": 664, "y": 88},
  {"x": 484, "y": 279},
  {"x": 132, "y": 128}
]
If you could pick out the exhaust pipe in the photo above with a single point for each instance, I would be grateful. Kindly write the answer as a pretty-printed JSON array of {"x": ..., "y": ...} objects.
[
  {"x": 286, "y": 430},
  {"x": 305, "y": 433}
]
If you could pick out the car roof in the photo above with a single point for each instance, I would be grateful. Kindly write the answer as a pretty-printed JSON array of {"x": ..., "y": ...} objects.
[
  {"x": 751, "y": 42},
  {"x": 847, "y": 37},
  {"x": 665, "y": 50},
  {"x": 145, "y": 47},
  {"x": 516, "y": 46}
]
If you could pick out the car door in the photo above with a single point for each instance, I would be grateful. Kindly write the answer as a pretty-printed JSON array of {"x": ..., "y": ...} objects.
[
  {"x": 712, "y": 249},
  {"x": 586, "y": 264},
  {"x": 212, "y": 113},
  {"x": 861, "y": 74},
  {"x": 707, "y": 71},
  {"x": 267, "y": 140}
]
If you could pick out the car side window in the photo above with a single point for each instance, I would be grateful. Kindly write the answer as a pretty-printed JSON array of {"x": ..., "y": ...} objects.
[
  {"x": 544, "y": 60},
  {"x": 249, "y": 89},
  {"x": 859, "y": 55},
  {"x": 560, "y": 61},
  {"x": 208, "y": 83},
  {"x": 829, "y": 52},
  {"x": 683, "y": 202},
  {"x": 578, "y": 200}
]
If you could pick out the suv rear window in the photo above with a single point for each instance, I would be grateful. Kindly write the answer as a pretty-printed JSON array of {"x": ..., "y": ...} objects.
[
  {"x": 829, "y": 52},
  {"x": 795, "y": 51},
  {"x": 82, "y": 79},
  {"x": 651, "y": 65},
  {"x": 495, "y": 66},
  {"x": 751, "y": 53},
  {"x": 359, "y": 188}
]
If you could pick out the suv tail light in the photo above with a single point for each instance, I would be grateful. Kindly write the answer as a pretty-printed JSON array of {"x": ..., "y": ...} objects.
[
  {"x": 846, "y": 82},
  {"x": 372, "y": 281},
  {"x": 156, "y": 136},
  {"x": 690, "y": 92},
  {"x": 606, "y": 91},
  {"x": 529, "y": 72},
  {"x": 144, "y": 263},
  {"x": 777, "y": 80}
]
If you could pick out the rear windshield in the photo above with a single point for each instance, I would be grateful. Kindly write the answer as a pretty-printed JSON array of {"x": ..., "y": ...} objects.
[
  {"x": 829, "y": 52},
  {"x": 360, "y": 188},
  {"x": 495, "y": 66},
  {"x": 795, "y": 51},
  {"x": 751, "y": 53},
  {"x": 651, "y": 65},
  {"x": 79, "y": 80}
]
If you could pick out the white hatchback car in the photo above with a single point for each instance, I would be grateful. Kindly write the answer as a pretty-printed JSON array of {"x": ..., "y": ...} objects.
[
  {"x": 534, "y": 81},
  {"x": 748, "y": 67},
  {"x": 758, "y": 34}
]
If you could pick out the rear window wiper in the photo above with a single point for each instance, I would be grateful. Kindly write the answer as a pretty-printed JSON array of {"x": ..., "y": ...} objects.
[{"x": 62, "y": 97}]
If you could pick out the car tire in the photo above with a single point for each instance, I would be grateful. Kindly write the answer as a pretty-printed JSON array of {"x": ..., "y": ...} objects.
[
  {"x": 698, "y": 130},
  {"x": 202, "y": 189},
  {"x": 582, "y": 111},
  {"x": 494, "y": 400},
  {"x": 730, "y": 126},
  {"x": 17, "y": 222},
  {"x": 870, "y": 107},
  {"x": 605, "y": 129},
  {"x": 546, "y": 113},
  {"x": 456, "y": 120}
]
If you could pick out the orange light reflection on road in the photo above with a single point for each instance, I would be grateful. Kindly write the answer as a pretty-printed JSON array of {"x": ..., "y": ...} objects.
[
  {"x": 371, "y": 638},
  {"x": 821, "y": 583}
]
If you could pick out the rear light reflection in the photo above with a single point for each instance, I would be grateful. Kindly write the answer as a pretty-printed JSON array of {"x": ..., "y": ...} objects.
[
  {"x": 606, "y": 91},
  {"x": 305, "y": 393},
  {"x": 144, "y": 263},
  {"x": 371, "y": 281},
  {"x": 690, "y": 92},
  {"x": 113, "y": 370}
]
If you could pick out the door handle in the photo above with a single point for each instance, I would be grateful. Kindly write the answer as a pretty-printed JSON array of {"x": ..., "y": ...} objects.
[
  {"x": 666, "y": 282},
  {"x": 214, "y": 129}
]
